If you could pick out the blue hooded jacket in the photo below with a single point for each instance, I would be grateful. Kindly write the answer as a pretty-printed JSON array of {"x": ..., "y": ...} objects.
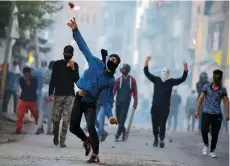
[{"x": 94, "y": 79}]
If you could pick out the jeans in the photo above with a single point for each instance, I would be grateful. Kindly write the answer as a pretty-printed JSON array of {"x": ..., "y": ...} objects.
[
  {"x": 6, "y": 99},
  {"x": 100, "y": 122}
]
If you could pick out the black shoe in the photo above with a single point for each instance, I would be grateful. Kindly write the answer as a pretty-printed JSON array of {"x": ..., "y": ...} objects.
[
  {"x": 17, "y": 132},
  {"x": 50, "y": 133},
  {"x": 63, "y": 145},
  {"x": 39, "y": 131},
  {"x": 94, "y": 159},
  {"x": 104, "y": 136},
  {"x": 87, "y": 146},
  {"x": 55, "y": 140},
  {"x": 155, "y": 143},
  {"x": 162, "y": 144}
]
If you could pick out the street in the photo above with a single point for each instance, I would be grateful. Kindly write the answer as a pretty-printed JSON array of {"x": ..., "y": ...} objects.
[{"x": 185, "y": 150}]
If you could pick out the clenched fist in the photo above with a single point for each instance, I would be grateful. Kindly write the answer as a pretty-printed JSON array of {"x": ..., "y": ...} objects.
[{"x": 112, "y": 120}]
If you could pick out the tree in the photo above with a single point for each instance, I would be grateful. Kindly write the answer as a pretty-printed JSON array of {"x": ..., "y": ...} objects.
[{"x": 32, "y": 14}]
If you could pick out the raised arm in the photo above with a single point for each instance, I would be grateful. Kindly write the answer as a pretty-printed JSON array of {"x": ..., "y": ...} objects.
[
  {"x": 178, "y": 81},
  {"x": 80, "y": 41},
  {"x": 150, "y": 76}
]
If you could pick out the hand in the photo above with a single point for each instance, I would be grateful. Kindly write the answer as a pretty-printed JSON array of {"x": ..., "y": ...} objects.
[
  {"x": 148, "y": 58},
  {"x": 72, "y": 24},
  {"x": 51, "y": 98},
  {"x": 71, "y": 64},
  {"x": 197, "y": 114},
  {"x": 112, "y": 120},
  {"x": 134, "y": 107},
  {"x": 185, "y": 66},
  {"x": 227, "y": 117}
]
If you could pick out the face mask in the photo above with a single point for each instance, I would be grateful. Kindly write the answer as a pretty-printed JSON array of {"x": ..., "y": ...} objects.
[
  {"x": 124, "y": 71},
  {"x": 164, "y": 74},
  {"x": 110, "y": 65},
  {"x": 68, "y": 57},
  {"x": 217, "y": 79}
]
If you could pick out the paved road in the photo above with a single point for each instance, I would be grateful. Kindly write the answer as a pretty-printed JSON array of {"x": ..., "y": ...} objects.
[{"x": 185, "y": 150}]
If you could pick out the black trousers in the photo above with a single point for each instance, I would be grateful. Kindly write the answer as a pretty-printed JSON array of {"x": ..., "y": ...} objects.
[
  {"x": 121, "y": 114},
  {"x": 159, "y": 116},
  {"x": 89, "y": 110},
  {"x": 6, "y": 99},
  {"x": 215, "y": 122}
]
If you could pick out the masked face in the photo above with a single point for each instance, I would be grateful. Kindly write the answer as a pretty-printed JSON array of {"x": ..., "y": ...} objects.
[
  {"x": 111, "y": 64},
  {"x": 68, "y": 57},
  {"x": 217, "y": 79},
  {"x": 164, "y": 74}
]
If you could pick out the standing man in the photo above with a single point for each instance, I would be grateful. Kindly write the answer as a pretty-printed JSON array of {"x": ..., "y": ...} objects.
[
  {"x": 46, "y": 103},
  {"x": 64, "y": 75},
  {"x": 125, "y": 86},
  {"x": 174, "y": 108},
  {"x": 12, "y": 87},
  {"x": 161, "y": 99},
  {"x": 190, "y": 108},
  {"x": 212, "y": 94},
  {"x": 28, "y": 98},
  {"x": 199, "y": 86},
  {"x": 98, "y": 77}
]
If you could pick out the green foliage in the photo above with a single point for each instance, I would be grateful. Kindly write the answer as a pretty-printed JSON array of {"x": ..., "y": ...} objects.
[{"x": 32, "y": 14}]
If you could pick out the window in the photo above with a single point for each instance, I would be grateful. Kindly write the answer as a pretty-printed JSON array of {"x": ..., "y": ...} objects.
[{"x": 215, "y": 35}]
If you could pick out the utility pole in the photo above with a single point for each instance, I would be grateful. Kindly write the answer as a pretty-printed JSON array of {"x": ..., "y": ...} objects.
[
  {"x": 7, "y": 50},
  {"x": 37, "y": 55},
  {"x": 225, "y": 42},
  {"x": 199, "y": 43}
]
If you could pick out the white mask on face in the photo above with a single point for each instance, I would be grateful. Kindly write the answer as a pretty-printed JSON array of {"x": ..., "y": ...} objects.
[{"x": 164, "y": 74}]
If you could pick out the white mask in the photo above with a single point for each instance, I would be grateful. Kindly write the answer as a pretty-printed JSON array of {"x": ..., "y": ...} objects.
[{"x": 164, "y": 74}]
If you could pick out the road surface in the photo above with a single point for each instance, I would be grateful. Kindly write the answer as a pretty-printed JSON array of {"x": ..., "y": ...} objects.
[{"x": 185, "y": 150}]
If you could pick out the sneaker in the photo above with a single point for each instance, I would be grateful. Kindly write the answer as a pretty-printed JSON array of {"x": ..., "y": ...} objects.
[
  {"x": 55, "y": 140},
  {"x": 94, "y": 159},
  {"x": 87, "y": 147},
  {"x": 49, "y": 133},
  {"x": 116, "y": 140},
  {"x": 162, "y": 144},
  {"x": 155, "y": 143},
  {"x": 205, "y": 150},
  {"x": 104, "y": 136},
  {"x": 213, "y": 154},
  {"x": 63, "y": 145}
]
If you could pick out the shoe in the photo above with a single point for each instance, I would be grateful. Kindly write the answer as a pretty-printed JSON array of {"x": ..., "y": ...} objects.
[
  {"x": 94, "y": 159},
  {"x": 213, "y": 154},
  {"x": 17, "y": 132},
  {"x": 205, "y": 150},
  {"x": 162, "y": 144},
  {"x": 87, "y": 147},
  {"x": 104, "y": 136},
  {"x": 116, "y": 140},
  {"x": 39, "y": 131},
  {"x": 55, "y": 140},
  {"x": 63, "y": 145},
  {"x": 155, "y": 143}
]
